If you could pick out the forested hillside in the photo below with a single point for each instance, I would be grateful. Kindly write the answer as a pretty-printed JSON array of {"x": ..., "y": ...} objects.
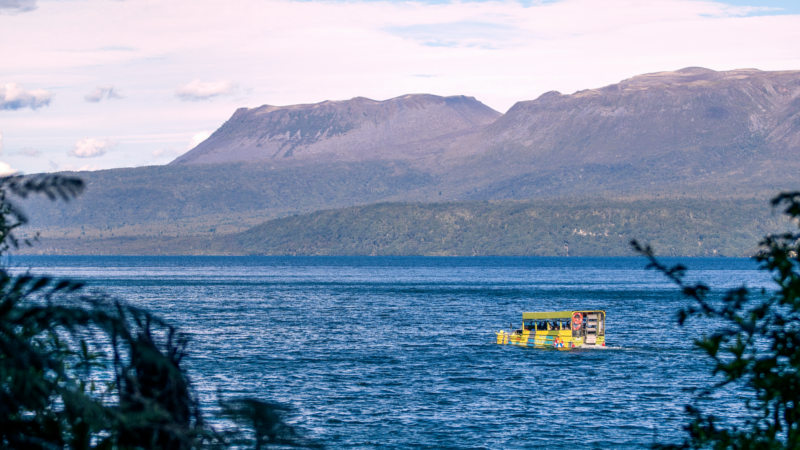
[{"x": 690, "y": 227}]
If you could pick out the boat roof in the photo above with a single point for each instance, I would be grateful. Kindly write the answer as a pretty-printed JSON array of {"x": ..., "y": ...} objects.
[{"x": 557, "y": 314}]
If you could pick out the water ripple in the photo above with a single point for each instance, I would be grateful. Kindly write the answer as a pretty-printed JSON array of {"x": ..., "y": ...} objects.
[{"x": 399, "y": 353}]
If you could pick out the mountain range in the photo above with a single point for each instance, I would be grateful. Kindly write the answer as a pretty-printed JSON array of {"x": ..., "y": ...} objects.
[{"x": 688, "y": 134}]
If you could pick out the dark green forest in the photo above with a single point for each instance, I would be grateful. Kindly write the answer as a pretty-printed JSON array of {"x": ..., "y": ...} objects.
[{"x": 677, "y": 227}]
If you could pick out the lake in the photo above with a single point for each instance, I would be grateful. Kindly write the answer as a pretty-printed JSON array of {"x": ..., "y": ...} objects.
[{"x": 399, "y": 352}]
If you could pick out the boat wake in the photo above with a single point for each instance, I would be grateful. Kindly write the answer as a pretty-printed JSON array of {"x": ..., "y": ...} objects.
[{"x": 607, "y": 347}]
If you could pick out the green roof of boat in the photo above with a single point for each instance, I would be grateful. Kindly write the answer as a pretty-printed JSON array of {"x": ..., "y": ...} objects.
[{"x": 556, "y": 314}]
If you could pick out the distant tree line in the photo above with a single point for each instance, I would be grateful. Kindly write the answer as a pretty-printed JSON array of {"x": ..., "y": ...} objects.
[{"x": 598, "y": 227}]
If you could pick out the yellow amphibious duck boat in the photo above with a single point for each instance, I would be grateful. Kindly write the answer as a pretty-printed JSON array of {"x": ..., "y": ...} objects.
[{"x": 558, "y": 329}]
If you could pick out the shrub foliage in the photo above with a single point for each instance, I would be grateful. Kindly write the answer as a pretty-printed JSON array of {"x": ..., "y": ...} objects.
[
  {"x": 755, "y": 350},
  {"x": 83, "y": 370}
]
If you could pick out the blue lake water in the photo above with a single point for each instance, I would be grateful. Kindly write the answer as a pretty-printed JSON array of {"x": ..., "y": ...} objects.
[{"x": 398, "y": 352}]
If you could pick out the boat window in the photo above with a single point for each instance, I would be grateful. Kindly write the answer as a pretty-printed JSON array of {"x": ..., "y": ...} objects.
[{"x": 548, "y": 325}]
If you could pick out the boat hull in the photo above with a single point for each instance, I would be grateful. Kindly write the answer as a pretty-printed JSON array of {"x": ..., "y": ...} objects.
[{"x": 557, "y": 339}]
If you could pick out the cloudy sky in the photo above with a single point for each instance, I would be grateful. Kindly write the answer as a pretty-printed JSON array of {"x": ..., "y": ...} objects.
[{"x": 95, "y": 84}]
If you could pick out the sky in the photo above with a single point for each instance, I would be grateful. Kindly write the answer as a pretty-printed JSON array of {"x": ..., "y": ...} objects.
[{"x": 98, "y": 84}]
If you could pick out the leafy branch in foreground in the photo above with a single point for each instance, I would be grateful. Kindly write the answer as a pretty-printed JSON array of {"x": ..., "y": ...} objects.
[
  {"x": 81, "y": 370},
  {"x": 85, "y": 371},
  {"x": 755, "y": 348},
  {"x": 12, "y": 217}
]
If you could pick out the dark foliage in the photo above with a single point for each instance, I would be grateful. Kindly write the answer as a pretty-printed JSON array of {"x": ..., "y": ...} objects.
[
  {"x": 755, "y": 349},
  {"x": 82, "y": 370},
  {"x": 542, "y": 228},
  {"x": 266, "y": 419},
  {"x": 12, "y": 217}
]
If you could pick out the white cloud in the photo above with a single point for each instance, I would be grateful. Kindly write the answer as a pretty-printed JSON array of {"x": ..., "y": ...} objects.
[
  {"x": 203, "y": 90},
  {"x": 165, "y": 152},
  {"x": 197, "y": 138},
  {"x": 6, "y": 169},
  {"x": 89, "y": 148},
  {"x": 479, "y": 34},
  {"x": 1, "y": 142},
  {"x": 74, "y": 168},
  {"x": 13, "y": 96},
  {"x": 101, "y": 93},
  {"x": 173, "y": 152}
]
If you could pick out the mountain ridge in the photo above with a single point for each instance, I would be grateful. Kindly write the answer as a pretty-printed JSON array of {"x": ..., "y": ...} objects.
[
  {"x": 692, "y": 126},
  {"x": 689, "y": 102},
  {"x": 702, "y": 118},
  {"x": 359, "y": 128}
]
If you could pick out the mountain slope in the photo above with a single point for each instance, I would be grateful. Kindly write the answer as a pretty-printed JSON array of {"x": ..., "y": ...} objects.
[
  {"x": 707, "y": 113},
  {"x": 677, "y": 129},
  {"x": 194, "y": 199},
  {"x": 360, "y": 129}
]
